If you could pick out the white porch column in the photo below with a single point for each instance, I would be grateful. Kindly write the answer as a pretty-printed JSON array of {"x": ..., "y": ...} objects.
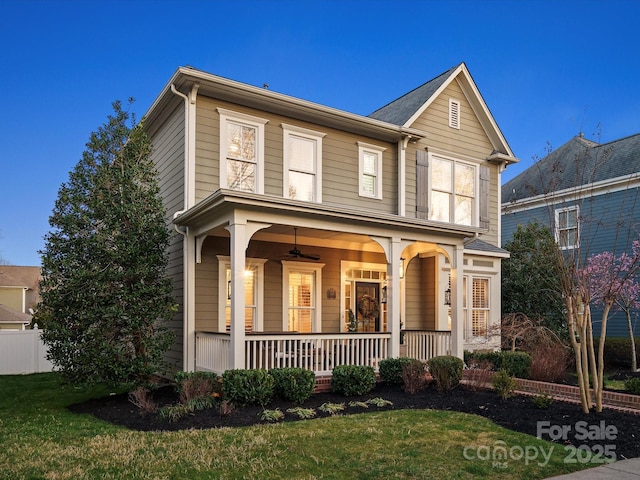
[
  {"x": 393, "y": 295},
  {"x": 238, "y": 261},
  {"x": 457, "y": 320}
]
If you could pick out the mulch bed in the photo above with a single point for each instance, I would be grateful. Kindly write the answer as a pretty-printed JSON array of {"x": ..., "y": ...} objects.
[{"x": 517, "y": 413}]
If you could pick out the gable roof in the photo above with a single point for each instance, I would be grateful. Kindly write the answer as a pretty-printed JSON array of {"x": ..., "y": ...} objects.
[
  {"x": 578, "y": 162},
  {"x": 401, "y": 110},
  {"x": 406, "y": 109},
  {"x": 14, "y": 276}
]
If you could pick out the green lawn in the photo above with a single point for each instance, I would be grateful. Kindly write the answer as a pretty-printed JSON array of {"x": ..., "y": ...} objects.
[{"x": 39, "y": 438}]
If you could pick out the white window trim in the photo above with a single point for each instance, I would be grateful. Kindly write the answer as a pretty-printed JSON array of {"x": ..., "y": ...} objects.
[
  {"x": 251, "y": 121},
  {"x": 468, "y": 307},
  {"x": 305, "y": 267},
  {"x": 224, "y": 263},
  {"x": 317, "y": 137},
  {"x": 454, "y": 120},
  {"x": 475, "y": 214},
  {"x": 377, "y": 151},
  {"x": 556, "y": 229}
]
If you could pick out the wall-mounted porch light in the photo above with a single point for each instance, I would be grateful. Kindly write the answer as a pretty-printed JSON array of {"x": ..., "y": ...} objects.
[
  {"x": 229, "y": 290},
  {"x": 447, "y": 296},
  {"x": 383, "y": 295},
  {"x": 401, "y": 272}
]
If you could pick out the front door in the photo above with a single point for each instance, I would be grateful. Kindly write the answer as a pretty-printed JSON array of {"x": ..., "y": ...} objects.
[{"x": 368, "y": 306}]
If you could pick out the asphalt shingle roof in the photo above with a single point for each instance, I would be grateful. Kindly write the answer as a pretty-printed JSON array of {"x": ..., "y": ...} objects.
[
  {"x": 403, "y": 108},
  {"x": 482, "y": 246},
  {"x": 9, "y": 315},
  {"x": 576, "y": 163}
]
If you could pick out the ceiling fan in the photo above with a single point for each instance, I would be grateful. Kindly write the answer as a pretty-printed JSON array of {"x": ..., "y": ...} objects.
[{"x": 295, "y": 253}]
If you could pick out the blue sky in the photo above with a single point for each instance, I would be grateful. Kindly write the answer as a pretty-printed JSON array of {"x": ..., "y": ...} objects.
[{"x": 547, "y": 69}]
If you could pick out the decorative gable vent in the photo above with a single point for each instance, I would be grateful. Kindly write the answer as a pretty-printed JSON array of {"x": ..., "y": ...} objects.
[{"x": 454, "y": 113}]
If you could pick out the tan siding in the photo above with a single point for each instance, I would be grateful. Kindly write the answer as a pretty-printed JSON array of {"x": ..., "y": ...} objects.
[
  {"x": 12, "y": 298},
  {"x": 207, "y": 148},
  {"x": 168, "y": 156},
  {"x": 420, "y": 294},
  {"x": 470, "y": 141},
  {"x": 339, "y": 162}
]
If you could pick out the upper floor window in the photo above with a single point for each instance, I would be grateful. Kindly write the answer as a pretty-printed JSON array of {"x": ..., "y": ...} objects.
[
  {"x": 370, "y": 170},
  {"x": 302, "y": 163},
  {"x": 454, "y": 113},
  {"x": 453, "y": 191},
  {"x": 241, "y": 151},
  {"x": 568, "y": 227}
]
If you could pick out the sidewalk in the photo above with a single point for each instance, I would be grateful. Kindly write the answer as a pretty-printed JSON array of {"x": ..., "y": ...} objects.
[{"x": 621, "y": 470}]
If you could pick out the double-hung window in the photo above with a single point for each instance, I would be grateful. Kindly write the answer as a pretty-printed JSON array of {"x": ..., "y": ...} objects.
[
  {"x": 480, "y": 306},
  {"x": 253, "y": 294},
  {"x": 302, "y": 164},
  {"x": 241, "y": 151},
  {"x": 476, "y": 318},
  {"x": 370, "y": 170},
  {"x": 453, "y": 192},
  {"x": 301, "y": 296},
  {"x": 568, "y": 227}
]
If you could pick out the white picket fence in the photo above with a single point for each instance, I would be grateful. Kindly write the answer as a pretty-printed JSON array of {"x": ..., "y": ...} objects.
[{"x": 22, "y": 351}]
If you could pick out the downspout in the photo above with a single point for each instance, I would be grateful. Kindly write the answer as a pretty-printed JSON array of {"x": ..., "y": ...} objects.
[
  {"x": 402, "y": 174},
  {"x": 188, "y": 247}
]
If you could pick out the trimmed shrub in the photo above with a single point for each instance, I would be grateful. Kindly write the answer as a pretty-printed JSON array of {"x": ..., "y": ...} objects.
[
  {"x": 617, "y": 351},
  {"x": 248, "y": 387},
  {"x": 504, "y": 384},
  {"x": 517, "y": 364},
  {"x": 294, "y": 384},
  {"x": 391, "y": 369},
  {"x": 353, "y": 379},
  {"x": 632, "y": 385},
  {"x": 414, "y": 376},
  {"x": 446, "y": 371}
]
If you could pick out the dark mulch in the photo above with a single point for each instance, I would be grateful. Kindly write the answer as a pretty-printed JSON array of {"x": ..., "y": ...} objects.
[{"x": 517, "y": 413}]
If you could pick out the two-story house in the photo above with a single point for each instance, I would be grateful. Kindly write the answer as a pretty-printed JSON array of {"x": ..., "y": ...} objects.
[
  {"x": 587, "y": 194},
  {"x": 308, "y": 236}
]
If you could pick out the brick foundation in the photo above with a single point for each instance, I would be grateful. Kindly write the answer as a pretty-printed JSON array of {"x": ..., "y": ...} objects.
[{"x": 618, "y": 401}]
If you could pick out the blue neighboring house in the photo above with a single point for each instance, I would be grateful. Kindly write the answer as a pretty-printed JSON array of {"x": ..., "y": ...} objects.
[{"x": 588, "y": 194}]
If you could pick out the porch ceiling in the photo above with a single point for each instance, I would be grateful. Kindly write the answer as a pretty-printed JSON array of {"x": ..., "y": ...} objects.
[{"x": 281, "y": 233}]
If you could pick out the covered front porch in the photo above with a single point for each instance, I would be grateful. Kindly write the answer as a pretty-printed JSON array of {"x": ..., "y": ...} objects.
[
  {"x": 318, "y": 352},
  {"x": 270, "y": 285}
]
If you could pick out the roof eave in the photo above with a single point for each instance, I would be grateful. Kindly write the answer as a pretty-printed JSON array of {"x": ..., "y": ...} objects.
[
  {"x": 267, "y": 100},
  {"x": 230, "y": 198}
]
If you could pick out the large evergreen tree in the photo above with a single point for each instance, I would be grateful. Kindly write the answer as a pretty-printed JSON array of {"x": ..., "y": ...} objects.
[
  {"x": 530, "y": 283},
  {"x": 105, "y": 296}
]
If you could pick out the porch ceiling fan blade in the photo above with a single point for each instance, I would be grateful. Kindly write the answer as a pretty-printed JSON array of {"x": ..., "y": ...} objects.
[{"x": 296, "y": 253}]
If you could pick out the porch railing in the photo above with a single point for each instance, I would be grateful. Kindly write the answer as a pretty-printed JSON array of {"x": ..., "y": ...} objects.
[
  {"x": 314, "y": 351},
  {"x": 213, "y": 352},
  {"x": 426, "y": 344}
]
